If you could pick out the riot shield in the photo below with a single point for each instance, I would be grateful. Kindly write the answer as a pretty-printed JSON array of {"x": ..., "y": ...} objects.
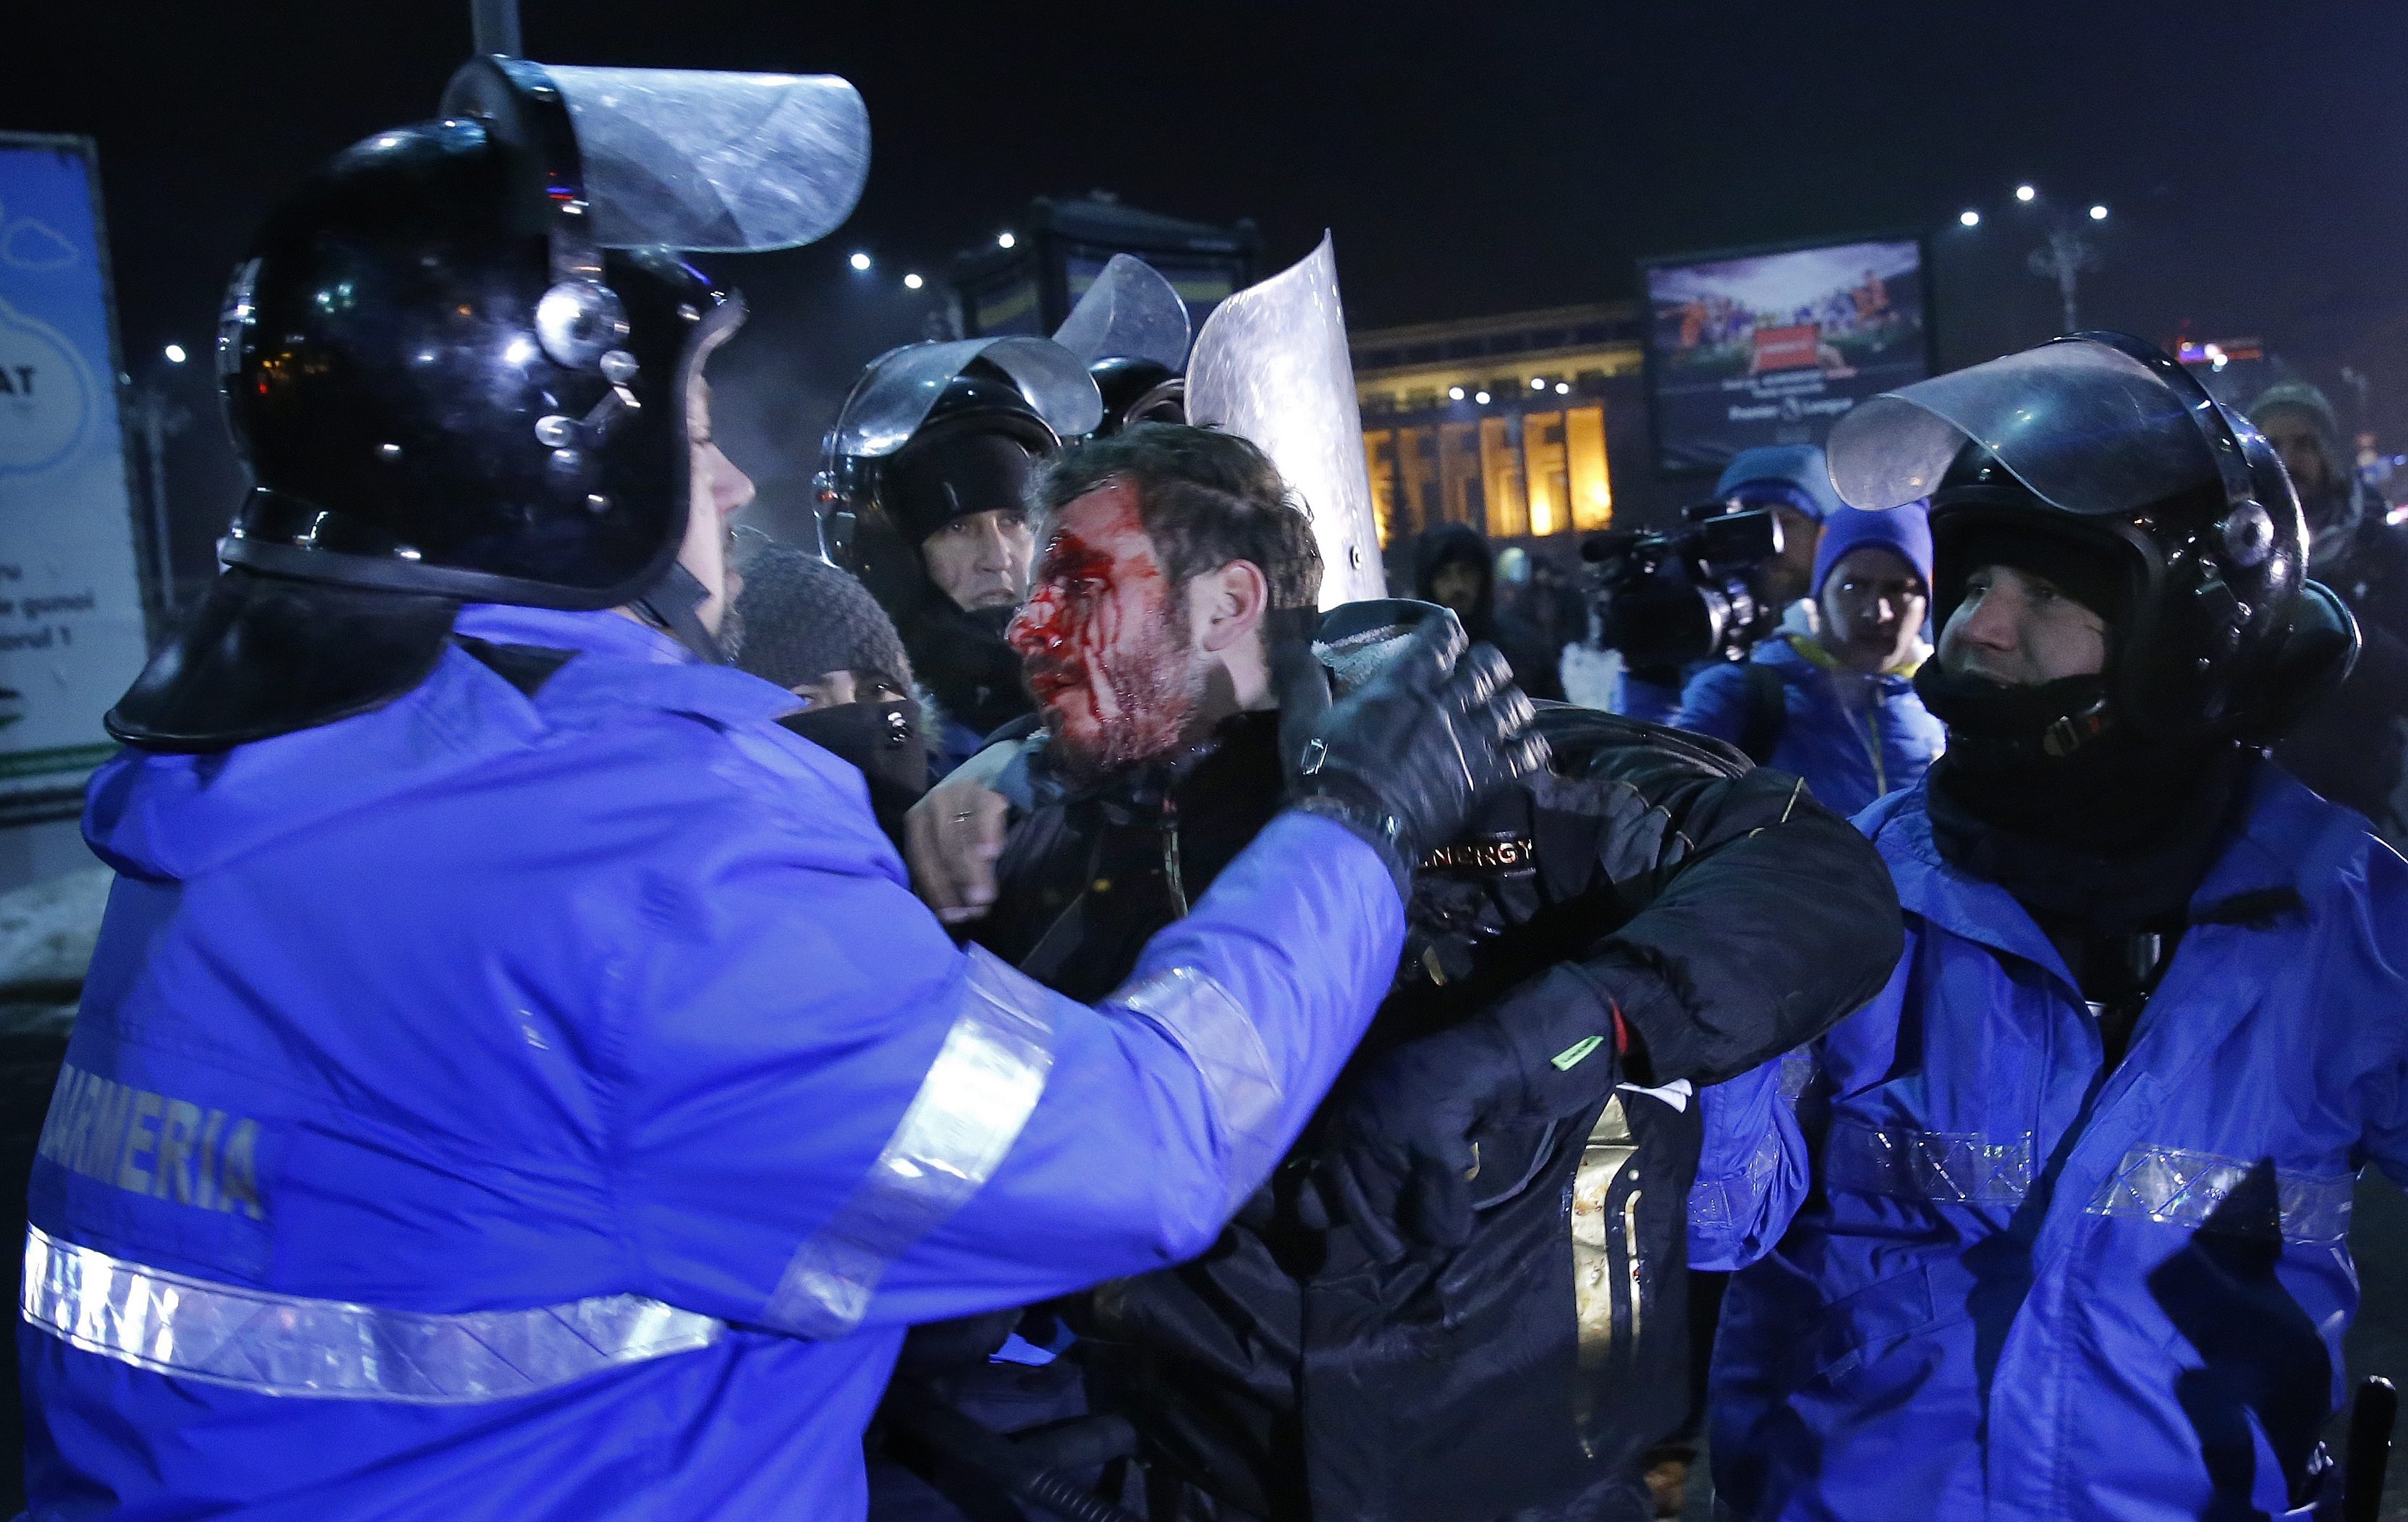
[{"x": 1271, "y": 366}]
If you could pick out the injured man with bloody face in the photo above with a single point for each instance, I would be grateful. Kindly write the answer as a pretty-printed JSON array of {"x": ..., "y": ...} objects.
[
  {"x": 1613, "y": 935},
  {"x": 1125, "y": 662}
]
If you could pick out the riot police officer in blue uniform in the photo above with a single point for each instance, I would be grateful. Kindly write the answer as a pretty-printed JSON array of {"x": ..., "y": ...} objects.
[{"x": 515, "y": 1079}]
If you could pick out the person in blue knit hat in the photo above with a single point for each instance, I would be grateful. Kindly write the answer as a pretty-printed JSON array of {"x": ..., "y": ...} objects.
[{"x": 1830, "y": 696}]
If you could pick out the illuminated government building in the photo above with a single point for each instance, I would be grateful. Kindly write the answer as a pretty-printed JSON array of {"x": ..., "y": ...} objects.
[{"x": 1528, "y": 426}]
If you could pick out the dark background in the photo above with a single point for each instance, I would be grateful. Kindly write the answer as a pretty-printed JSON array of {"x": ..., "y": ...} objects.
[{"x": 1470, "y": 158}]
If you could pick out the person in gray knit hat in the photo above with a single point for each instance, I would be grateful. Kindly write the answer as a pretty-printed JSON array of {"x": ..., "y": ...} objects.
[{"x": 815, "y": 630}]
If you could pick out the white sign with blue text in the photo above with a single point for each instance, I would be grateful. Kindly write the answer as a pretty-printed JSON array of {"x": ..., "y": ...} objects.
[{"x": 71, "y": 626}]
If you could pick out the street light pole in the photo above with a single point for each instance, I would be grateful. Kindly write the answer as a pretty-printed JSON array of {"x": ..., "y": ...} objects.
[
  {"x": 158, "y": 417},
  {"x": 495, "y": 24},
  {"x": 2065, "y": 258}
]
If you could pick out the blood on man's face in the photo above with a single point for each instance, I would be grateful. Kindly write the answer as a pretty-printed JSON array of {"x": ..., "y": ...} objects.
[{"x": 1103, "y": 637}]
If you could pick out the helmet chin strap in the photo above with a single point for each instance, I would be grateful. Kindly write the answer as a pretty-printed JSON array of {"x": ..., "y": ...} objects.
[{"x": 675, "y": 603}]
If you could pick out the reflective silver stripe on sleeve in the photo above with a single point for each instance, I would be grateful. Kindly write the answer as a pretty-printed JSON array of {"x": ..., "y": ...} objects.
[
  {"x": 1206, "y": 1023},
  {"x": 971, "y": 1105},
  {"x": 1955, "y": 1167},
  {"x": 287, "y": 1344},
  {"x": 2203, "y": 1191},
  {"x": 1723, "y": 1205}
]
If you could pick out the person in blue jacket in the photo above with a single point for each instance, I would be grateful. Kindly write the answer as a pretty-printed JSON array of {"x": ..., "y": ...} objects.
[
  {"x": 2077, "y": 1245},
  {"x": 515, "y": 1079},
  {"x": 1790, "y": 481},
  {"x": 1830, "y": 696}
]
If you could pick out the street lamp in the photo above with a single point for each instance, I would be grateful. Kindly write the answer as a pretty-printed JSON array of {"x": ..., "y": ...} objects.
[
  {"x": 859, "y": 260},
  {"x": 1455, "y": 393},
  {"x": 174, "y": 353},
  {"x": 1005, "y": 240},
  {"x": 912, "y": 282},
  {"x": 2064, "y": 258}
]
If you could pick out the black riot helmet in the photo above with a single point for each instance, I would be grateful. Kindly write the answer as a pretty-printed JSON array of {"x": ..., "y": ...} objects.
[
  {"x": 936, "y": 432},
  {"x": 2103, "y": 447},
  {"x": 457, "y": 362},
  {"x": 1136, "y": 390}
]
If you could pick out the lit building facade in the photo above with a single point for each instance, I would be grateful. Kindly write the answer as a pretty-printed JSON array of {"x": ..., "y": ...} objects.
[{"x": 1529, "y": 426}]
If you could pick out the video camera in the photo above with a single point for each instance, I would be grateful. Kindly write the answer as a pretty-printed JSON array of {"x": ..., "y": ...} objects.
[{"x": 1694, "y": 593}]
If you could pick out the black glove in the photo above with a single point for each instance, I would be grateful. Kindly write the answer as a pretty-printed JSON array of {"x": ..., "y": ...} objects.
[
  {"x": 1402, "y": 759},
  {"x": 1396, "y": 1154}
]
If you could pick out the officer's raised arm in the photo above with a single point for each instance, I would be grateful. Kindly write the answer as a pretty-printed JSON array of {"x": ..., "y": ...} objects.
[
  {"x": 977, "y": 1141},
  {"x": 513, "y": 1066}
]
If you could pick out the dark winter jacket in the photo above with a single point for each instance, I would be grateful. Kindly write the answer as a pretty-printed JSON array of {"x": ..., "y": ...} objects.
[
  {"x": 2353, "y": 747},
  {"x": 1721, "y": 913}
]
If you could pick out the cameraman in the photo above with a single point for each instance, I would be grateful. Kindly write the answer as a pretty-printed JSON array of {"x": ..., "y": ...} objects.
[
  {"x": 1831, "y": 697},
  {"x": 1792, "y": 482}
]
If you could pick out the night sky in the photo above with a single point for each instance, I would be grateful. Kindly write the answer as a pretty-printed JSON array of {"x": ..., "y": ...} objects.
[{"x": 1469, "y": 158}]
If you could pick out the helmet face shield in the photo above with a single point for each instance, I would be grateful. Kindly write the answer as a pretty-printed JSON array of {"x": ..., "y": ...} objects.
[
  {"x": 1130, "y": 313},
  {"x": 894, "y": 397},
  {"x": 713, "y": 163},
  {"x": 2087, "y": 427}
]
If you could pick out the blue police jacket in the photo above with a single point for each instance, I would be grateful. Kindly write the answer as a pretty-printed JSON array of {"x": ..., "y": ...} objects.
[
  {"x": 490, "y": 1106},
  {"x": 1849, "y": 752},
  {"x": 2022, "y": 1289}
]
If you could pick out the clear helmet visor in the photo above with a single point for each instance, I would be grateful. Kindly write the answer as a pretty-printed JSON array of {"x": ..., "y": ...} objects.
[
  {"x": 1271, "y": 366},
  {"x": 2089, "y": 428},
  {"x": 891, "y": 401},
  {"x": 686, "y": 158},
  {"x": 1130, "y": 313},
  {"x": 715, "y": 162}
]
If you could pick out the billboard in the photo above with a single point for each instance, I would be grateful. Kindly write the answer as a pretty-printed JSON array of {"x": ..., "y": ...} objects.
[
  {"x": 71, "y": 605},
  {"x": 1772, "y": 348}
]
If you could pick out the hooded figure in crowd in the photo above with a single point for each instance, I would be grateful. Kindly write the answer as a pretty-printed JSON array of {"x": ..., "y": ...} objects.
[
  {"x": 2077, "y": 1246},
  {"x": 1383, "y": 1331},
  {"x": 1455, "y": 568},
  {"x": 1830, "y": 696},
  {"x": 2353, "y": 747},
  {"x": 813, "y": 628}
]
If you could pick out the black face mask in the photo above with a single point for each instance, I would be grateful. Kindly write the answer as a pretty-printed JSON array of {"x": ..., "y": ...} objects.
[
  {"x": 2114, "y": 830},
  {"x": 882, "y": 741}
]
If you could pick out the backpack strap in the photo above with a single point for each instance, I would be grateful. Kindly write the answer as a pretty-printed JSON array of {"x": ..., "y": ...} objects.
[{"x": 1767, "y": 712}]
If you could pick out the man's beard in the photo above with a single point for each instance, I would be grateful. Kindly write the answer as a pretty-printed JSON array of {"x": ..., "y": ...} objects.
[{"x": 1155, "y": 686}]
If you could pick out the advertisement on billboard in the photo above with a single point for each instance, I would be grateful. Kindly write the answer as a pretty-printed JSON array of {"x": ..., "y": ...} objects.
[
  {"x": 71, "y": 606},
  {"x": 1772, "y": 348}
]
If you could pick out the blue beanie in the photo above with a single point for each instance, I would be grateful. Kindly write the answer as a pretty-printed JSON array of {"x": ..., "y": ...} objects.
[
  {"x": 1906, "y": 529},
  {"x": 1796, "y": 474}
]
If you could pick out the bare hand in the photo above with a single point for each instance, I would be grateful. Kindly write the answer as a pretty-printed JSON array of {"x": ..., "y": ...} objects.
[{"x": 953, "y": 834}]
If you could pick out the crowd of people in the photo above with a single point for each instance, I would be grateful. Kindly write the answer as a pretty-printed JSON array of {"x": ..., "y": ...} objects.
[{"x": 1021, "y": 1009}]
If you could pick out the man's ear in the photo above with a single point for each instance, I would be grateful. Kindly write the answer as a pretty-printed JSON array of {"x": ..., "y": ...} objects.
[{"x": 1227, "y": 605}]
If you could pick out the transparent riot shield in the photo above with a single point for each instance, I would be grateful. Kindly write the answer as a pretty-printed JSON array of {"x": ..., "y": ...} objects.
[{"x": 1271, "y": 366}]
